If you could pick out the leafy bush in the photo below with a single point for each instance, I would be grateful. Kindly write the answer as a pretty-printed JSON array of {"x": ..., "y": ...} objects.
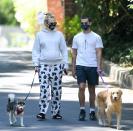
[
  {"x": 119, "y": 43},
  {"x": 71, "y": 27},
  {"x": 127, "y": 60},
  {"x": 121, "y": 54}
]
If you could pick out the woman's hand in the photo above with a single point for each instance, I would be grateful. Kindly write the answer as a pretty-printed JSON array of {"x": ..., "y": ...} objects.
[
  {"x": 36, "y": 69},
  {"x": 66, "y": 71}
]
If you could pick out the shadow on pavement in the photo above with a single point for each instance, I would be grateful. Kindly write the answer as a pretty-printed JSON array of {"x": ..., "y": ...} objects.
[
  {"x": 15, "y": 61},
  {"x": 70, "y": 111}
]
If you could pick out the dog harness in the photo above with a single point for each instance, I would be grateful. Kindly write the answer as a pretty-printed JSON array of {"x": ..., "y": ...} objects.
[{"x": 18, "y": 110}]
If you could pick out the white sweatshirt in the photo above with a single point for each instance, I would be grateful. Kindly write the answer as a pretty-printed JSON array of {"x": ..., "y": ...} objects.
[{"x": 49, "y": 48}]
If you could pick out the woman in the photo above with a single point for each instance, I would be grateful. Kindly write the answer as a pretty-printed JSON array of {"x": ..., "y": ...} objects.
[{"x": 50, "y": 58}]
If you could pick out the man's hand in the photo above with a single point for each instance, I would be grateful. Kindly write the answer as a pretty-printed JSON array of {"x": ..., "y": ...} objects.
[
  {"x": 100, "y": 71},
  {"x": 74, "y": 56}
]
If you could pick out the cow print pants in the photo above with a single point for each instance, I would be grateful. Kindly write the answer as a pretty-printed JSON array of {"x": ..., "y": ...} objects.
[{"x": 50, "y": 79}]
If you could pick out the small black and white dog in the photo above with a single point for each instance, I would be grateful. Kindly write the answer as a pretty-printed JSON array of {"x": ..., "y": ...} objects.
[{"x": 15, "y": 108}]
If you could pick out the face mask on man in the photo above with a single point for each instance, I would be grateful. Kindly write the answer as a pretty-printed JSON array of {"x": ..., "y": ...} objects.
[
  {"x": 52, "y": 26},
  {"x": 85, "y": 26}
]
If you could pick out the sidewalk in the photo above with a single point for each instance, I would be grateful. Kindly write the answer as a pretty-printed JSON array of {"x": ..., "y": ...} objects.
[{"x": 16, "y": 74}]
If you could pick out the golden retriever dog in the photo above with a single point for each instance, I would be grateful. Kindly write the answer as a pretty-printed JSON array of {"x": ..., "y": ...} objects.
[{"x": 109, "y": 101}]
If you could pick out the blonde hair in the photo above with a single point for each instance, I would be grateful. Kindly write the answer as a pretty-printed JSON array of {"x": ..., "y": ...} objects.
[{"x": 47, "y": 17}]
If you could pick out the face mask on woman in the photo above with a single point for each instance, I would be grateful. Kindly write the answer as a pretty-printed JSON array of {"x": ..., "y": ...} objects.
[{"x": 52, "y": 25}]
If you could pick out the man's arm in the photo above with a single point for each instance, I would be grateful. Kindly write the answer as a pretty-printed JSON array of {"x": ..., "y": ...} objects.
[
  {"x": 99, "y": 58},
  {"x": 74, "y": 55}
]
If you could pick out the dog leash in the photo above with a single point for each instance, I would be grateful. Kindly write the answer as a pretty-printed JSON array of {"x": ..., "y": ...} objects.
[
  {"x": 101, "y": 74},
  {"x": 31, "y": 87}
]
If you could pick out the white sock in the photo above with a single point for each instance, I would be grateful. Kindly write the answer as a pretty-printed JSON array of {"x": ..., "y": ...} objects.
[
  {"x": 92, "y": 109},
  {"x": 82, "y": 108}
]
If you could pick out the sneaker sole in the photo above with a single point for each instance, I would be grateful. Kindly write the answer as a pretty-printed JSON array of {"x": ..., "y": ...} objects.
[
  {"x": 81, "y": 119},
  {"x": 57, "y": 118},
  {"x": 40, "y": 119},
  {"x": 93, "y": 119}
]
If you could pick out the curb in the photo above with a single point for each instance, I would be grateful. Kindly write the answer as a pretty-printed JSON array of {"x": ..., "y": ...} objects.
[{"x": 119, "y": 74}]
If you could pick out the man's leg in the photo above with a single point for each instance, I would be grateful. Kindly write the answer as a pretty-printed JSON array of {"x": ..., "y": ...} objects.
[
  {"x": 81, "y": 95},
  {"x": 92, "y": 80},
  {"x": 81, "y": 80},
  {"x": 91, "y": 89}
]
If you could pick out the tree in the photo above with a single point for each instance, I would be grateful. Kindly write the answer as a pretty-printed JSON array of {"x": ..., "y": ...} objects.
[
  {"x": 26, "y": 14},
  {"x": 7, "y": 13},
  {"x": 113, "y": 20},
  {"x": 130, "y": 4}
]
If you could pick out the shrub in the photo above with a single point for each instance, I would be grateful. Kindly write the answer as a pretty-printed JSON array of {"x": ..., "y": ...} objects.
[{"x": 71, "y": 27}]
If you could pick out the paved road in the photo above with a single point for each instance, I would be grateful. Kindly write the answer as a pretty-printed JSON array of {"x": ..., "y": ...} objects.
[{"x": 16, "y": 74}]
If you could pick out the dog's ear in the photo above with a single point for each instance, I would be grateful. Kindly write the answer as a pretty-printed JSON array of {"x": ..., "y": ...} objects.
[
  {"x": 109, "y": 94},
  {"x": 23, "y": 103},
  {"x": 120, "y": 91}
]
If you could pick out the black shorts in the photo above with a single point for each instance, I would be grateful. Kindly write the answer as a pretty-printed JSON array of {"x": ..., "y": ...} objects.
[{"x": 88, "y": 74}]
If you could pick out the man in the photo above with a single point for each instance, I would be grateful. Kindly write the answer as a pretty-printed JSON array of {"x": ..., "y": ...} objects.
[
  {"x": 86, "y": 63},
  {"x": 50, "y": 58}
]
